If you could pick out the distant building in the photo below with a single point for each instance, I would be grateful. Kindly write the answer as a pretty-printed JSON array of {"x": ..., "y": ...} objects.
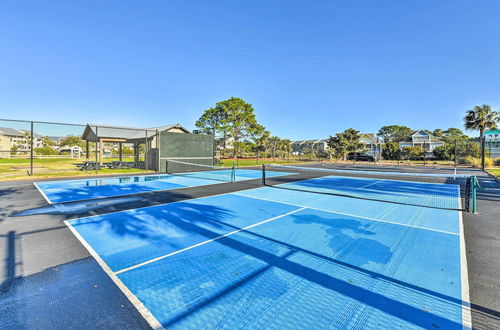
[
  {"x": 21, "y": 138},
  {"x": 4, "y": 147},
  {"x": 372, "y": 144},
  {"x": 302, "y": 146},
  {"x": 492, "y": 143},
  {"x": 424, "y": 139}
]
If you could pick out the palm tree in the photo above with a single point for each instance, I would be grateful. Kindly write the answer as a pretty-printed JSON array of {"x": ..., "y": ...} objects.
[
  {"x": 481, "y": 118},
  {"x": 286, "y": 147},
  {"x": 273, "y": 143}
]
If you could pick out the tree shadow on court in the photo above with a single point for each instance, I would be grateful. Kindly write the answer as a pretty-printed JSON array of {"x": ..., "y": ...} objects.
[
  {"x": 76, "y": 207},
  {"x": 72, "y": 193},
  {"x": 296, "y": 262},
  {"x": 154, "y": 224},
  {"x": 8, "y": 198},
  {"x": 349, "y": 236}
]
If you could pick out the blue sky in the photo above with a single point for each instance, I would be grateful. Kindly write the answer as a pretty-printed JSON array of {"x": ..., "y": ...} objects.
[{"x": 310, "y": 68}]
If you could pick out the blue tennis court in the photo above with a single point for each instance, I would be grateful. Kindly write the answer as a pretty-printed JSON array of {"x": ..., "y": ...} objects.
[
  {"x": 75, "y": 190},
  {"x": 282, "y": 258}
]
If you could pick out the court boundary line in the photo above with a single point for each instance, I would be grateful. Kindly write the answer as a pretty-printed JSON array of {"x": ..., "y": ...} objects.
[
  {"x": 464, "y": 277},
  {"x": 147, "y": 262},
  {"x": 136, "y": 302},
  {"x": 238, "y": 193},
  {"x": 42, "y": 193},
  {"x": 133, "y": 298},
  {"x": 137, "y": 193},
  {"x": 351, "y": 215},
  {"x": 451, "y": 186}
]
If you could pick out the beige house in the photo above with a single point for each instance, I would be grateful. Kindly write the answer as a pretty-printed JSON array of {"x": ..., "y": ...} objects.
[
  {"x": 4, "y": 147},
  {"x": 20, "y": 139},
  {"x": 424, "y": 139}
]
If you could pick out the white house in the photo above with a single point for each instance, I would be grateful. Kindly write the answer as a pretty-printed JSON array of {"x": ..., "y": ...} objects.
[
  {"x": 372, "y": 143},
  {"x": 422, "y": 138},
  {"x": 492, "y": 142},
  {"x": 301, "y": 147}
]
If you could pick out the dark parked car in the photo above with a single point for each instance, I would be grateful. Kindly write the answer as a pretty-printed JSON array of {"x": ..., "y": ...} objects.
[{"x": 360, "y": 156}]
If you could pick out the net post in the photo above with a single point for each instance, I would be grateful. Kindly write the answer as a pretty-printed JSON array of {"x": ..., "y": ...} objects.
[
  {"x": 233, "y": 174},
  {"x": 263, "y": 182},
  {"x": 474, "y": 186}
]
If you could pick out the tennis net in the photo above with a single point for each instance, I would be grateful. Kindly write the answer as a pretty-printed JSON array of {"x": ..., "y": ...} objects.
[
  {"x": 200, "y": 171},
  {"x": 442, "y": 191}
]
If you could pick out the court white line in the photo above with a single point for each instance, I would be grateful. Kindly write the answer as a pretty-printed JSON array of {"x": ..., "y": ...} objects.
[
  {"x": 371, "y": 184},
  {"x": 214, "y": 182},
  {"x": 351, "y": 215},
  {"x": 146, "y": 314},
  {"x": 42, "y": 193},
  {"x": 138, "y": 193},
  {"x": 464, "y": 274},
  {"x": 207, "y": 241}
]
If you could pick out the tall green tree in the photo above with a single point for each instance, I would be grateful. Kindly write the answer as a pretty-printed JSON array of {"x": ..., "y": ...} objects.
[
  {"x": 214, "y": 121},
  {"x": 274, "y": 144},
  {"x": 412, "y": 153},
  {"x": 481, "y": 118},
  {"x": 259, "y": 138},
  {"x": 233, "y": 117},
  {"x": 390, "y": 150},
  {"x": 394, "y": 133},
  {"x": 286, "y": 147},
  {"x": 345, "y": 142},
  {"x": 452, "y": 135},
  {"x": 438, "y": 133},
  {"x": 48, "y": 142},
  {"x": 71, "y": 141}
]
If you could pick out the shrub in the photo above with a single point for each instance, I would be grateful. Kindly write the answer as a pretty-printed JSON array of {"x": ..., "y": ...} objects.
[
  {"x": 474, "y": 161},
  {"x": 497, "y": 162},
  {"x": 488, "y": 162}
]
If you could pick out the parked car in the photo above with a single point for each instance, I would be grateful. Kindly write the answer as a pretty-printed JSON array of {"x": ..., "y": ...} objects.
[{"x": 360, "y": 156}]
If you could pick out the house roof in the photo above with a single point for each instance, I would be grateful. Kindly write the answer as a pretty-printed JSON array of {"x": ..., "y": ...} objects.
[
  {"x": 38, "y": 136},
  {"x": 10, "y": 131},
  {"x": 125, "y": 133},
  {"x": 421, "y": 130},
  {"x": 309, "y": 141}
]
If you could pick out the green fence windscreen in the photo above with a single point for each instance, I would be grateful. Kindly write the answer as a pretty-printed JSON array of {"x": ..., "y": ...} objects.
[{"x": 191, "y": 148}]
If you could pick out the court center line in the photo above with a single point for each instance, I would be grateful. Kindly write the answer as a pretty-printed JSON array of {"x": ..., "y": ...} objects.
[
  {"x": 207, "y": 241},
  {"x": 371, "y": 184},
  {"x": 350, "y": 215}
]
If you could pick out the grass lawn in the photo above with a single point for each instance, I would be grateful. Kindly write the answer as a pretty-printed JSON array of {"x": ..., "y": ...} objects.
[
  {"x": 17, "y": 169},
  {"x": 495, "y": 172}
]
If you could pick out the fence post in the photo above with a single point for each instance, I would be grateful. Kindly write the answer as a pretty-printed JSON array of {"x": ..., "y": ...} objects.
[
  {"x": 31, "y": 150},
  {"x": 158, "y": 151},
  {"x": 96, "y": 147},
  {"x": 146, "y": 151}
]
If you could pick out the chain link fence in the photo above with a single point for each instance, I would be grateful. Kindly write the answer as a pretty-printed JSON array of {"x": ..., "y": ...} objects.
[{"x": 49, "y": 149}]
